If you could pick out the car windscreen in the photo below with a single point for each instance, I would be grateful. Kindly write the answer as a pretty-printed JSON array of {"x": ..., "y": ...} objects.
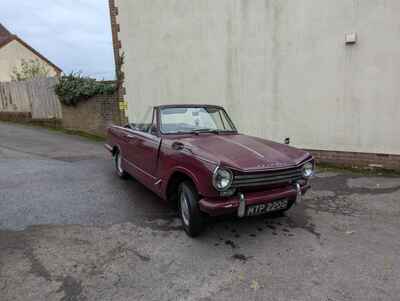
[{"x": 194, "y": 119}]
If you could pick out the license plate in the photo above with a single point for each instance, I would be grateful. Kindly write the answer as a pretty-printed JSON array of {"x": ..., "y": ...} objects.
[{"x": 265, "y": 208}]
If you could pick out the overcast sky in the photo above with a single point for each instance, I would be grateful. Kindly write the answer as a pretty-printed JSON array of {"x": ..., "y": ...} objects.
[{"x": 74, "y": 35}]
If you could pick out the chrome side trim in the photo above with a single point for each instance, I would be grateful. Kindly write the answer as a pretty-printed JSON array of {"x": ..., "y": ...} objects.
[
  {"x": 108, "y": 147},
  {"x": 139, "y": 169},
  {"x": 242, "y": 206}
]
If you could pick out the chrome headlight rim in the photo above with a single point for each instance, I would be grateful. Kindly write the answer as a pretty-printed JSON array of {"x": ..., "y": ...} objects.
[
  {"x": 216, "y": 173},
  {"x": 308, "y": 170}
]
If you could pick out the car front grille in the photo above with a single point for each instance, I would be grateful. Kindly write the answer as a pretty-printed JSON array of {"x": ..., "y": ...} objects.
[{"x": 284, "y": 177}]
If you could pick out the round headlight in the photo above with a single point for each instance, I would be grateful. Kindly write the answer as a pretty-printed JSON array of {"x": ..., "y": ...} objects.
[
  {"x": 222, "y": 179},
  {"x": 308, "y": 170}
]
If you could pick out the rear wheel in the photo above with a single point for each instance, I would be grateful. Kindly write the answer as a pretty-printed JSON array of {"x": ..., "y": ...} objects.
[
  {"x": 191, "y": 216},
  {"x": 118, "y": 165}
]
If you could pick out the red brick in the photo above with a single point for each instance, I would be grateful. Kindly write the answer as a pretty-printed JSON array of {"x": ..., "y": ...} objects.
[{"x": 356, "y": 159}]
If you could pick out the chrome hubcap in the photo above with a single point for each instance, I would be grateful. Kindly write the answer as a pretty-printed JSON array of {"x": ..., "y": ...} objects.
[
  {"x": 184, "y": 209},
  {"x": 119, "y": 164}
]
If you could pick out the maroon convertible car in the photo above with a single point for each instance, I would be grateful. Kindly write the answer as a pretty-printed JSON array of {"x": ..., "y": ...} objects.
[{"x": 193, "y": 156}]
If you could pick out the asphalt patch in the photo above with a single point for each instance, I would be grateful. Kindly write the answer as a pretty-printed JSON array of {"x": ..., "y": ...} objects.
[
  {"x": 72, "y": 289},
  {"x": 240, "y": 257}
]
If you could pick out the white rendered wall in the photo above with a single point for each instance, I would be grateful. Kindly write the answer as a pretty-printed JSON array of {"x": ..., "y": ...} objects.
[{"x": 280, "y": 67}]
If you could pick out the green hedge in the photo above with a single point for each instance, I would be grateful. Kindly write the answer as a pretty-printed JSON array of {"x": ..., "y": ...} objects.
[{"x": 73, "y": 88}]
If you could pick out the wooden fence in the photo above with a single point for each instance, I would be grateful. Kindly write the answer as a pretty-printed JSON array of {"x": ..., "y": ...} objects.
[{"x": 33, "y": 96}]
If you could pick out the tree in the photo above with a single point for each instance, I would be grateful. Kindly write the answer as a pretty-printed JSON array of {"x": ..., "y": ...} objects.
[{"x": 30, "y": 69}]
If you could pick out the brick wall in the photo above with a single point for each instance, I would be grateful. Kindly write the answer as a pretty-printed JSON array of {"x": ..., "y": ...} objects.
[
  {"x": 359, "y": 160},
  {"x": 118, "y": 57},
  {"x": 93, "y": 115}
]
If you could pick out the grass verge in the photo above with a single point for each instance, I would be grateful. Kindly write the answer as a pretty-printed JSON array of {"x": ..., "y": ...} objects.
[
  {"x": 76, "y": 133},
  {"x": 60, "y": 129}
]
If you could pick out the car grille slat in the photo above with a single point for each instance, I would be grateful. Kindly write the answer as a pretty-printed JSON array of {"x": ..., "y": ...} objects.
[
  {"x": 265, "y": 175},
  {"x": 264, "y": 183},
  {"x": 271, "y": 178},
  {"x": 265, "y": 179}
]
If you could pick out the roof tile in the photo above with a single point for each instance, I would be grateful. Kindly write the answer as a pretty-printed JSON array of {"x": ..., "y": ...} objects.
[{"x": 4, "y": 31}]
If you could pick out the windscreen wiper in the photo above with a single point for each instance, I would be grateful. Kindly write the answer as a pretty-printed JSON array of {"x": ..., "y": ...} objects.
[{"x": 197, "y": 131}]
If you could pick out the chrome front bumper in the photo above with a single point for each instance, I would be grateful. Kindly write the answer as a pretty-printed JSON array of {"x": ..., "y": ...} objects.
[
  {"x": 108, "y": 147},
  {"x": 298, "y": 194},
  {"x": 242, "y": 205},
  {"x": 241, "y": 212}
]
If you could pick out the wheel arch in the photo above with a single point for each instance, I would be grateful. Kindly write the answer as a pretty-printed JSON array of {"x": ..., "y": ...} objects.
[{"x": 175, "y": 179}]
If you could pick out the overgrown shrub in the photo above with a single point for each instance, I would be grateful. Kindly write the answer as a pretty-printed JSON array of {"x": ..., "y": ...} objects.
[
  {"x": 74, "y": 88},
  {"x": 29, "y": 69}
]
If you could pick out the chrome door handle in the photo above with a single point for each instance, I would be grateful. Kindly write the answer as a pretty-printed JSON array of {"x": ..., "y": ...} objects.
[{"x": 130, "y": 136}]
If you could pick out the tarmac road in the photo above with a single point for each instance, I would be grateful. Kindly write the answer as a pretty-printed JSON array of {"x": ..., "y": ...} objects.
[{"x": 71, "y": 230}]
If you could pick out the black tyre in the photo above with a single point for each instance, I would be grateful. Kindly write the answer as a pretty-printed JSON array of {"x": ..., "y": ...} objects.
[
  {"x": 118, "y": 166},
  {"x": 189, "y": 211}
]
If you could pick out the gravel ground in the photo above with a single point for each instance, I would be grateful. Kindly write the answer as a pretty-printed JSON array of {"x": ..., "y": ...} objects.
[{"x": 71, "y": 230}]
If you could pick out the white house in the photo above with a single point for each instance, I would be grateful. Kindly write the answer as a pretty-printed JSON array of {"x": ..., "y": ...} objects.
[
  {"x": 323, "y": 73},
  {"x": 13, "y": 50}
]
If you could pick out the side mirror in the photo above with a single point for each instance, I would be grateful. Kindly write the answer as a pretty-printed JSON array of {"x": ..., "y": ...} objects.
[{"x": 287, "y": 141}]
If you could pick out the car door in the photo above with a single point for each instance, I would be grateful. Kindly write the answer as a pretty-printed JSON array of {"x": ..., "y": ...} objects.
[
  {"x": 144, "y": 149},
  {"x": 131, "y": 139}
]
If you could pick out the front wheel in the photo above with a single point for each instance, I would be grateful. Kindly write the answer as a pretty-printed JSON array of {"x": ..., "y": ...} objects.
[
  {"x": 118, "y": 166},
  {"x": 191, "y": 216}
]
